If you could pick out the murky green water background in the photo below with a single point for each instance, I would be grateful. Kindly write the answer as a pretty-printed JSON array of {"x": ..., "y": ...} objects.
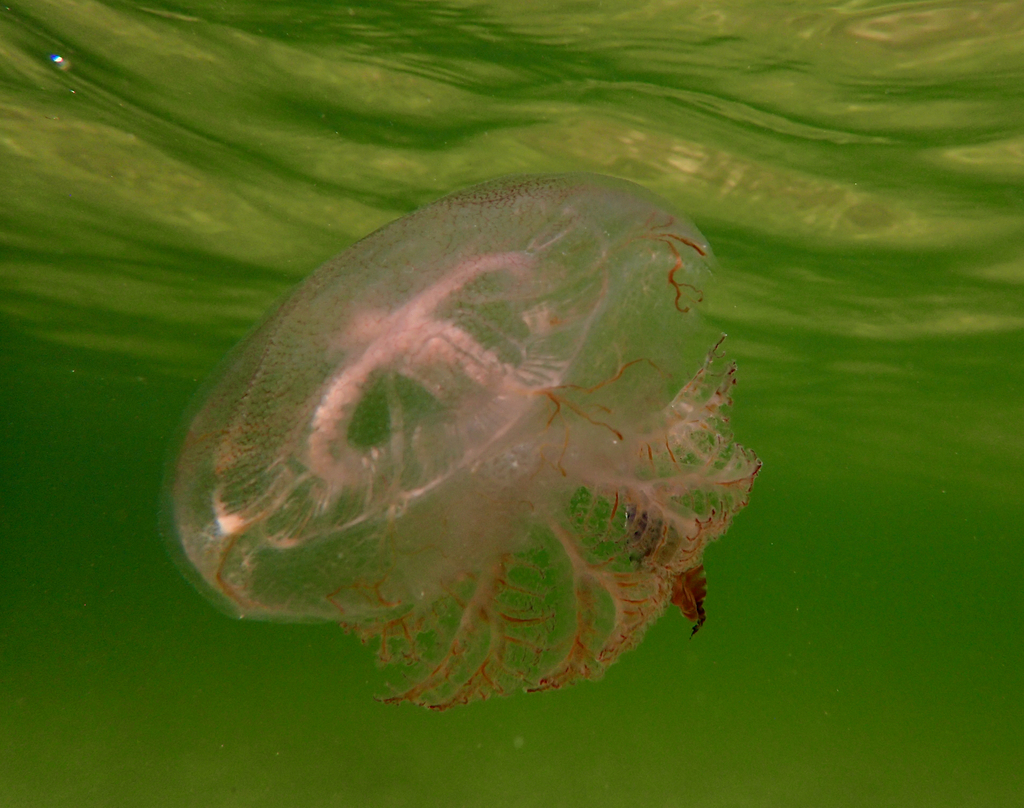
[{"x": 859, "y": 169}]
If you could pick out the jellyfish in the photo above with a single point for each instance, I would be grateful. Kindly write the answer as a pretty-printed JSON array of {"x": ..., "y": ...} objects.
[{"x": 488, "y": 438}]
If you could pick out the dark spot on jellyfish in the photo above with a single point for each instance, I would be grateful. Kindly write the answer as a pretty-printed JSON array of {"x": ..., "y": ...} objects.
[
  {"x": 644, "y": 533},
  {"x": 484, "y": 438}
]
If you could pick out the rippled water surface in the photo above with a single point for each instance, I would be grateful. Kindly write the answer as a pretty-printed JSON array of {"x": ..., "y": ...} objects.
[{"x": 169, "y": 170}]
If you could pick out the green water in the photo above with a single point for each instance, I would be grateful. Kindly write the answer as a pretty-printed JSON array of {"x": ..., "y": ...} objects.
[{"x": 859, "y": 170}]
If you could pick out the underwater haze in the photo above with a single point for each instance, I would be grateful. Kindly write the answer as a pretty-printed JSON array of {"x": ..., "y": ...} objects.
[{"x": 169, "y": 170}]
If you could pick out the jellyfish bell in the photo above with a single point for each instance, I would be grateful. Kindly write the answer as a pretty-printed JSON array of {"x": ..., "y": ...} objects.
[{"x": 488, "y": 437}]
